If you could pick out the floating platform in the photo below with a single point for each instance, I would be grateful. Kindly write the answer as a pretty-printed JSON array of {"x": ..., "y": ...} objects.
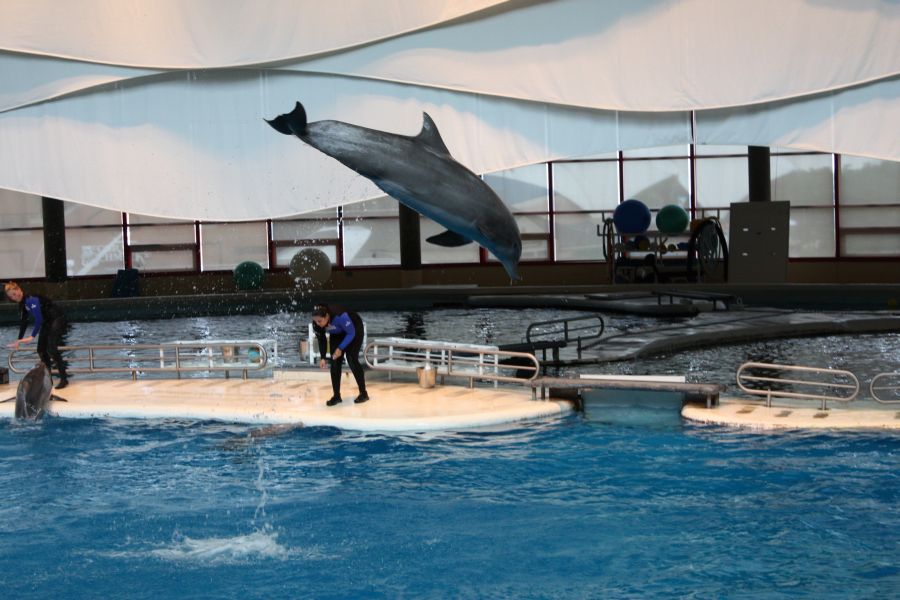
[
  {"x": 298, "y": 397},
  {"x": 754, "y": 414}
]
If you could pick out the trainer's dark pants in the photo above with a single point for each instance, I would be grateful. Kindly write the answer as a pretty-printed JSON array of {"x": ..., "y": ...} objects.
[
  {"x": 50, "y": 337},
  {"x": 352, "y": 356}
]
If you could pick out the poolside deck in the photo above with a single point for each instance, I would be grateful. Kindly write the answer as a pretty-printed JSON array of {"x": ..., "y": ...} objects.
[
  {"x": 299, "y": 397},
  {"x": 754, "y": 414}
]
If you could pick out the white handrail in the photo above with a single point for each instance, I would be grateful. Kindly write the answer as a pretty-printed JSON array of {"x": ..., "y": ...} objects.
[
  {"x": 177, "y": 357},
  {"x": 893, "y": 389},
  {"x": 449, "y": 359},
  {"x": 836, "y": 382}
]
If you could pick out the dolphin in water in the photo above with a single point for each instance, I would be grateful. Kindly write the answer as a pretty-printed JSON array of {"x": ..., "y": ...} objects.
[
  {"x": 419, "y": 172},
  {"x": 34, "y": 394}
]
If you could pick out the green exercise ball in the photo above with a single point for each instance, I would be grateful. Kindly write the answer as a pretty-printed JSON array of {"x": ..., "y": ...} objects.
[
  {"x": 310, "y": 267},
  {"x": 249, "y": 275},
  {"x": 672, "y": 219}
]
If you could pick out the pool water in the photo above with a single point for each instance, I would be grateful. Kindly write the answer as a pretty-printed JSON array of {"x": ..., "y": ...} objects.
[{"x": 567, "y": 507}]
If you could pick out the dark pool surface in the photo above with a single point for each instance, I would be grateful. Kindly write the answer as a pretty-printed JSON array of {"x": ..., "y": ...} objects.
[{"x": 586, "y": 506}]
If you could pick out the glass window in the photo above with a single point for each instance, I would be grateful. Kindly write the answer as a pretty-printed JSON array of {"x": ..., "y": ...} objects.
[
  {"x": 679, "y": 150},
  {"x": 94, "y": 251},
  {"x": 871, "y": 244},
  {"x": 377, "y": 207},
  {"x": 434, "y": 254},
  {"x": 721, "y": 181},
  {"x": 804, "y": 180},
  {"x": 226, "y": 245},
  {"x": 869, "y": 181},
  {"x": 715, "y": 149},
  {"x": 18, "y": 210},
  {"x": 576, "y": 237},
  {"x": 161, "y": 234},
  {"x": 284, "y": 255},
  {"x": 305, "y": 230},
  {"x": 812, "y": 232},
  {"x": 173, "y": 260},
  {"x": 585, "y": 186},
  {"x": 523, "y": 189},
  {"x": 22, "y": 253},
  {"x": 81, "y": 214},
  {"x": 657, "y": 183},
  {"x": 371, "y": 242}
]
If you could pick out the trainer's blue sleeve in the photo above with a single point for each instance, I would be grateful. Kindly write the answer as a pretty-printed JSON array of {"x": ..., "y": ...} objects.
[
  {"x": 33, "y": 305},
  {"x": 343, "y": 321}
]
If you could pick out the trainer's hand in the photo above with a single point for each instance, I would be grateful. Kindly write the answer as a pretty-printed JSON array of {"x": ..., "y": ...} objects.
[
  {"x": 16, "y": 343},
  {"x": 323, "y": 363},
  {"x": 337, "y": 354}
]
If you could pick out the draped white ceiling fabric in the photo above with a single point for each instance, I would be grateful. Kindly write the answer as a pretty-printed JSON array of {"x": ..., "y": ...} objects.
[{"x": 157, "y": 107}]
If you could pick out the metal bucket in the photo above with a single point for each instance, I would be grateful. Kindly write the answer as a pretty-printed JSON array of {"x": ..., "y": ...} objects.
[{"x": 427, "y": 376}]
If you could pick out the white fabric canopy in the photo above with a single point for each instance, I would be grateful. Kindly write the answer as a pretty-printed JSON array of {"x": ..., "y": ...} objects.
[{"x": 158, "y": 108}]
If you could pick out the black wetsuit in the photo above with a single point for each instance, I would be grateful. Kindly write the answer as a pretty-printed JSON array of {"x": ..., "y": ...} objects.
[
  {"x": 346, "y": 330},
  {"x": 50, "y": 328}
]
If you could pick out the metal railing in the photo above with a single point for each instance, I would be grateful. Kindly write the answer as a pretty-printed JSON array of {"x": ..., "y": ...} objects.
[
  {"x": 891, "y": 385},
  {"x": 574, "y": 329},
  {"x": 823, "y": 383},
  {"x": 176, "y": 357},
  {"x": 451, "y": 360}
]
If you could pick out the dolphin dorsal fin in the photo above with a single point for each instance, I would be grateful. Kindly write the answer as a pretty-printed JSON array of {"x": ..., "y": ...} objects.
[{"x": 430, "y": 136}]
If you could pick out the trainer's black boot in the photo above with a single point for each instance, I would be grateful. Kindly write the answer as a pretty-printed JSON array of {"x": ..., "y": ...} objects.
[
  {"x": 334, "y": 400},
  {"x": 363, "y": 396},
  {"x": 63, "y": 382}
]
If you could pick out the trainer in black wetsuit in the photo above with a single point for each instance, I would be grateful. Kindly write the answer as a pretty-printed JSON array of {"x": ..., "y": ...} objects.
[
  {"x": 50, "y": 327},
  {"x": 346, "y": 330}
]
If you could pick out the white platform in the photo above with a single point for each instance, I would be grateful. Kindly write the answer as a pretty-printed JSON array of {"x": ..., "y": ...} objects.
[
  {"x": 394, "y": 406},
  {"x": 753, "y": 414}
]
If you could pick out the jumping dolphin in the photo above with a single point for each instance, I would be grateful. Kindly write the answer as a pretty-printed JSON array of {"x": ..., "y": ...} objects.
[
  {"x": 33, "y": 396},
  {"x": 419, "y": 172}
]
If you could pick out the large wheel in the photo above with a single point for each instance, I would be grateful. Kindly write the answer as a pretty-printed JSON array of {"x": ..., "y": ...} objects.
[{"x": 708, "y": 252}]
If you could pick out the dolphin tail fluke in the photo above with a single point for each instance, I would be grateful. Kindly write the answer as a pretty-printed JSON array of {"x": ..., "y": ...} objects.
[
  {"x": 292, "y": 123},
  {"x": 448, "y": 239}
]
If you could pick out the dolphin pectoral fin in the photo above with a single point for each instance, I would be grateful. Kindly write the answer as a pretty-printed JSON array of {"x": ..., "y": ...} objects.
[
  {"x": 449, "y": 239},
  {"x": 56, "y": 398},
  {"x": 292, "y": 123},
  {"x": 430, "y": 136}
]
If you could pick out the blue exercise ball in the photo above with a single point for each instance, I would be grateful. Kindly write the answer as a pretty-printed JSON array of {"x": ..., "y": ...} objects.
[{"x": 632, "y": 216}]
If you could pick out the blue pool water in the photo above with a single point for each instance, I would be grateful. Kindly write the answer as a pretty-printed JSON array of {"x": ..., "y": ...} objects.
[{"x": 574, "y": 507}]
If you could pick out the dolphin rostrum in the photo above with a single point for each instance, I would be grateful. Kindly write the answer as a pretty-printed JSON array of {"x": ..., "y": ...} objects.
[
  {"x": 419, "y": 172},
  {"x": 34, "y": 394}
]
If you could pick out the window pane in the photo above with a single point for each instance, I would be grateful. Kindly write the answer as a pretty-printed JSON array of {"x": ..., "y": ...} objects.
[
  {"x": 585, "y": 186},
  {"x": 94, "y": 251},
  {"x": 434, "y": 254},
  {"x": 305, "y": 230},
  {"x": 284, "y": 255},
  {"x": 871, "y": 244},
  {"x": 870, "y": 216},
  {"x": 657, "y": 183},
  {"x": 523, "y": 189},
  {"x": 79, "y": 214},
  {"x": 176, "y": 260},
  {"x": 161, "y": 234},
  {"x": 22, "y": 253},
  {"x": 20, "y": 210},
  {"x": 226, "y": 245},
  {"x": 576, "y": 237},
  {"x": 377, "y": 207},
  {"x": 721, "y": 181},
  {"x": 679, "y": 150},
  {"x": 371, "y": 242},
  {"x": 812, "y": 232},
  {"x": 713, "y": 149},
  {"x": 804, "y": 180},
  {"x": 135, "y": 219}
]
